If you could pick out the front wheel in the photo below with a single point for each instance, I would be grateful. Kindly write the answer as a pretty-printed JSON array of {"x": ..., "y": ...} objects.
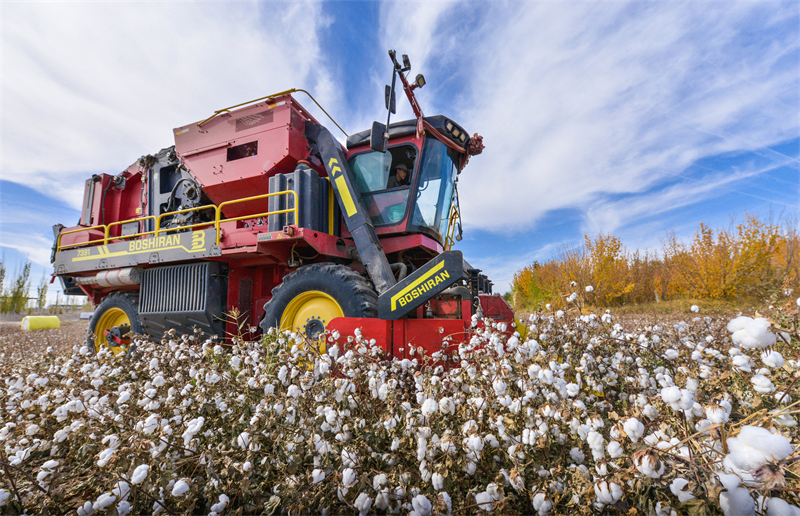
[
  {"x": 309, "y": 298},
  {"x": 114, "y": 320}
]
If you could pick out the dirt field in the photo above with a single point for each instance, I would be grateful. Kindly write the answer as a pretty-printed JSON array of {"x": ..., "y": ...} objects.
[{"x": 13, "y": 339}]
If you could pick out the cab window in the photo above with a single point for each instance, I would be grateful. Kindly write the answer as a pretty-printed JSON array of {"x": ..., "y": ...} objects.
[{"x": 383, "y": 195}]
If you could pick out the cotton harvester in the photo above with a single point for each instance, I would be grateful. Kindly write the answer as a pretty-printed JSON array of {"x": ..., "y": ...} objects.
[{"x": 259, "y": 210}]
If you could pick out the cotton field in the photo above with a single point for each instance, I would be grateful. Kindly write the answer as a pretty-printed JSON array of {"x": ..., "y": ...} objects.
[{"x": 586, "y": 416}]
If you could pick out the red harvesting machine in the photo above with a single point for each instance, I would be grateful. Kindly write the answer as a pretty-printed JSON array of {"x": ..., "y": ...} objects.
[{"x": 258, "y": 211}]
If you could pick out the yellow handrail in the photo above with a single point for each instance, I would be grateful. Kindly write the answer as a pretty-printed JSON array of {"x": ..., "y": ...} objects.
[
  {"x": 449, "y": 241},
  {"x": 178, "y": 212},
  {"x": 218, "y": 219},
  {"x": 255, "y": 198},
  {"x": 58, "y": 240},
  {"x": 120, "y": 222}
]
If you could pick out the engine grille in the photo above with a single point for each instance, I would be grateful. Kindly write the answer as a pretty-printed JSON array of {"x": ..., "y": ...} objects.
[
  {"x": 182, "y": 297},
  {"x": 180, "y": 288}
]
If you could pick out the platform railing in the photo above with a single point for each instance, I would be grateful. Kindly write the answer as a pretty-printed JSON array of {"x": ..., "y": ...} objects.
[{"x": 218, "y": 220}]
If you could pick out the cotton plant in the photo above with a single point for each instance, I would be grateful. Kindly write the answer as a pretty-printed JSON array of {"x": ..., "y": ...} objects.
[{"x": 569, "y": 421}]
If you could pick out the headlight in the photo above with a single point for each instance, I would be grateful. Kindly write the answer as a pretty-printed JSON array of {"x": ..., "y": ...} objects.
[
  {"x": 456, "y": 132},
  {"x": 448, "y": 126},
  {"x": 463, "y": 137}
]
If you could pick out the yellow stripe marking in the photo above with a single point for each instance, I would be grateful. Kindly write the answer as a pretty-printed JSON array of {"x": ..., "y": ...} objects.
[
  {"x": 334, "y": 170},
  {"x": 332, "y": 161},
  {"x": 415, "y": 284},
  {"x": 347, "y": 199},
  {"x": 124, "y": 253}
]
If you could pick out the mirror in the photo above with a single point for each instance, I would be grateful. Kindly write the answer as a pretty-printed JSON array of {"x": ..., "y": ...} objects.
[{"x": 378, "y": 139}]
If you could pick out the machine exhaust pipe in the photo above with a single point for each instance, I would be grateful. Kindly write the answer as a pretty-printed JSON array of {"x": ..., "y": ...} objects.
[{"x": 113, "y": 278}]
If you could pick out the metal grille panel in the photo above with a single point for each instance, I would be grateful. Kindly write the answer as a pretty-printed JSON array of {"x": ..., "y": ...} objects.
[{"x": 179, "y": 288}]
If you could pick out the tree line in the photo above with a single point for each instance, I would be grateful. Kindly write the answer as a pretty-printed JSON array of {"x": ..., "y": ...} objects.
[
  {"x": 15, "y": 297},
  {"x": 754, "y": 259}
]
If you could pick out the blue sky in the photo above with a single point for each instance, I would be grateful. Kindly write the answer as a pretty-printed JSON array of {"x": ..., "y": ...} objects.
[{"x": 631, "y": 118}]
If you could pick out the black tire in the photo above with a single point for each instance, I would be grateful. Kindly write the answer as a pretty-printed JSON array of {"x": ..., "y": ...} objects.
[
  {"x": 127, "y": 302},
  {"x": 352, "y": 292}
]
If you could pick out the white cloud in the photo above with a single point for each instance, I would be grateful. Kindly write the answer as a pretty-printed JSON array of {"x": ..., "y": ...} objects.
[
  {"x": 90, "y": 87},
  {"x": 580, "y": 100},
  {"x": 605, "y": 216},
  {"x": 35, "y": 248}
]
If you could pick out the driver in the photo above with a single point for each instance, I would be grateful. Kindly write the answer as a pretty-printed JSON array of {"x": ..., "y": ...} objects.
[{"x": 400, "y": 177}]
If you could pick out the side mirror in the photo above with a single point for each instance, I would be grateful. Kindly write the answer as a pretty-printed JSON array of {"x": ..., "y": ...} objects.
[
  {"x": 378, "y": 139},
  {"x": 391, "y": 105}
]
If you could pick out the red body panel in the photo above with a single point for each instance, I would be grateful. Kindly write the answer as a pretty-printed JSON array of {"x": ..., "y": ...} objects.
[
  {"x": 397, "y": 338},
  {"x": 274, "y": 134}
]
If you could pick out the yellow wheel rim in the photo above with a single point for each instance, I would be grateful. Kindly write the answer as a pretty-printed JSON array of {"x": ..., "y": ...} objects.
[
  {"x": 309, "y": 314},
  {"x": 111, "y": 318}
]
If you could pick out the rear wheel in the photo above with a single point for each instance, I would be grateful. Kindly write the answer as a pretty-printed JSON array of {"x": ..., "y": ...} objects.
[
  {"x": 114, "y": 320},
  {"x": 309, "y": 298}
]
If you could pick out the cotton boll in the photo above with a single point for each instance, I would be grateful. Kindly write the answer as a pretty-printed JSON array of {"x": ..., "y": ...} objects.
[
  {"x": 438, "y": 481},
  {"x": 348, "y": 477},
  {"x": 124, "y": 508},
  {"x": 151, "y": 424},
  {"x": 429, "y": 407},
  {"x": 754, "y": 447},
  {"x": 671, "y": 394},
  {"x": 783, "y": 419},
  {"x": 220, "y": 506},
  {"x": 595, "y": 441},
  {"x": 633, "y": 428},
  {"x": 716, "y": 414},
  {"x": 648, "y": 464},
  {"x": 751, "y": 333},
  {"x": 378, "y": 481},
  {"x": 541, "y": 505},
  {"x": 104, "y": 501},
  {"x": 577, "y": 455},
  {"x": 363, "y": 503},
  {"x": 607, "y": 493},
  {"x": 573, "y": 389},
  {"x": 317, "y": 476},
  {"x": 736, "y": 501},
  {"x": 484, "y": 501},
  {"x": 742, "y": 362},
  {"x": 762, "y": 384},
  {"x": 677, "y": 487},
  {"x": 180, "y": 488},
  {"x": 421, "y": 504},
  {"x": 140, "y": 474},
  {"x": 778, "y": 507},
  {"x": 772, "y": 359},
  {"x": 615, "y": 449}
]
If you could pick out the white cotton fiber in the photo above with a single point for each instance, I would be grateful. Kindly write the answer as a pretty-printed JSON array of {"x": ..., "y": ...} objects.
[
  {"x": 754, "y": 447},
  {"x": 751, "y": 333}
]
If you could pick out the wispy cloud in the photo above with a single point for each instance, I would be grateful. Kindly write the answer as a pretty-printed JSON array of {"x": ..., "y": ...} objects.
[
  {"x": 578, "y": 101},
  {"x": 90, "y": 87},
  {"x": 605, "y": 216}
]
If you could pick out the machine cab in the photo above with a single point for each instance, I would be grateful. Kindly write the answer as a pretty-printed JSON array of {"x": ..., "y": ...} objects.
[{"x": 419, "y": 200}]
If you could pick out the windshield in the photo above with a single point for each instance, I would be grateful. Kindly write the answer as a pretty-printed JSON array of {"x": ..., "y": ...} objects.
[
  {"x": 383, "y": 180},
  {"x": 435, "y": 188}
]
